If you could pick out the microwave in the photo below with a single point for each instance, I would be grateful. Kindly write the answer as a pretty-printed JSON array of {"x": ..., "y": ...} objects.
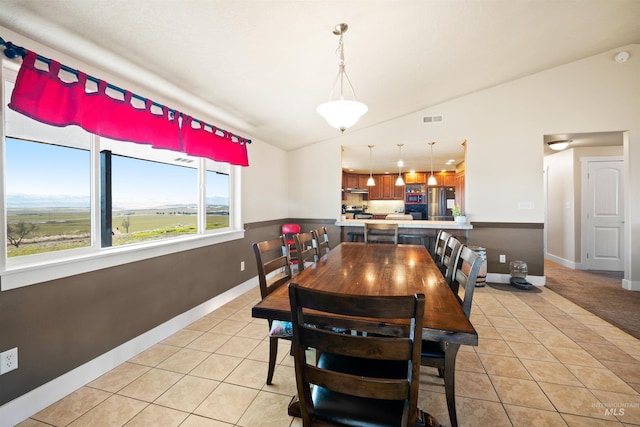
[{"x": 415, "y": 198}]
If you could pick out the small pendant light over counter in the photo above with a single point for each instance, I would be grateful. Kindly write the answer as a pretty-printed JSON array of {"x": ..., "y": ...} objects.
[
  {"x": 400, "y": 181},
  {"x": 370, "y": 182},
  {"x": 432, "y": 179}
]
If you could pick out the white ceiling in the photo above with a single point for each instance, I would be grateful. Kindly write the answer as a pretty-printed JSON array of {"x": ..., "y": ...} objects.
[{"x": 267, "y": 64}]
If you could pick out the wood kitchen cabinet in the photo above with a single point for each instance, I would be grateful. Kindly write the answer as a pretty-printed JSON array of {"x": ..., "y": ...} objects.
[
  {"x": 375, "y": 192},
  {"x": 362, "y": 181},
  {"x": 386, "y": 188},
  {"x": 351, "y": 180},
  {"x": 444, "y": 179},
  {"x": 460, "y": 190},
  {"x": 449, "y": 179},
  {"x": 415, "y": 177}
]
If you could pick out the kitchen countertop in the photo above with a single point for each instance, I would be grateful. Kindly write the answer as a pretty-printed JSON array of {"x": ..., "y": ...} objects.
[{"x": 451, "y": 225}]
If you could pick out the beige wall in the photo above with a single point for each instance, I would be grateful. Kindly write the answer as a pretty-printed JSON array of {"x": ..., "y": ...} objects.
[
  {"x": 561, "y": 204},
  {"x": 315, "y": 180}
]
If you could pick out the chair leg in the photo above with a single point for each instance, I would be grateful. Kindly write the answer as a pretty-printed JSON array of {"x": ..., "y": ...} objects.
[
  {"x": 450, "y": 381},
  {"x": 273, "y": 352}
]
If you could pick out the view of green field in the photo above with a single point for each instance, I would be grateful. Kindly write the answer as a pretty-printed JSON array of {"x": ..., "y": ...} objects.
[{"x": 61, "y": 228}]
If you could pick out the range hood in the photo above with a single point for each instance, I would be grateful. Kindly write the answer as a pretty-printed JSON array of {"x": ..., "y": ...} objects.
[{"x": 358, "y": 190}]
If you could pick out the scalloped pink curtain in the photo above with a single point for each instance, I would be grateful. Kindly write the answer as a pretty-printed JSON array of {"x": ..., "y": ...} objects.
[{"x": 43, "y": 96}]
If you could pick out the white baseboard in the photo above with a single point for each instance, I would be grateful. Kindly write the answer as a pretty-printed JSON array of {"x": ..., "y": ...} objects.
[
  {"x": 564, "y": 262},
  {"x": 631, "y": 285},
  {"x": 21, "y": 408},
  {"x": 504, "y": 278}
]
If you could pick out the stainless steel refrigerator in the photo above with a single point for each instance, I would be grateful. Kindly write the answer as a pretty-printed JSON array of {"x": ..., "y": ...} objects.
[{"x": 439, "y": 203}]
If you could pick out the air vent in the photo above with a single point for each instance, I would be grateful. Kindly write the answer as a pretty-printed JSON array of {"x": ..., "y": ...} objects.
[{"x": 432, "y": 119}]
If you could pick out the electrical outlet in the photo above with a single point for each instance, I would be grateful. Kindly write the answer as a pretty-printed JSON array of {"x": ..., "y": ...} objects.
[
  {"x": 8, "y": 360},
  {"x": 241, "y": 265},
  {"x": 503, "y": 259}
]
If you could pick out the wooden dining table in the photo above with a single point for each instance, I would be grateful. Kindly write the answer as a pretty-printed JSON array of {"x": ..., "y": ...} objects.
[{"x": 384, "y": 269}]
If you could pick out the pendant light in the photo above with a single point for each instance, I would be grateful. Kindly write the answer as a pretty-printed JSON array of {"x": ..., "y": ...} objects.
[
  {"x": 432, "y": 179},
  {"x": 400, "y": 181},
  {"x": 341, "y": 113},
  {"x": 370, "y": 182}
]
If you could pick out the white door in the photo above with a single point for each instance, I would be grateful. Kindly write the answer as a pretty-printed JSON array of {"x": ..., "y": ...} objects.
[{"x": 605, "y": 215}]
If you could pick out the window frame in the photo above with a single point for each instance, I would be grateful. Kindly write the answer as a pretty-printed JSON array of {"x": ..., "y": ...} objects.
[{"x": 17, "y": 272}]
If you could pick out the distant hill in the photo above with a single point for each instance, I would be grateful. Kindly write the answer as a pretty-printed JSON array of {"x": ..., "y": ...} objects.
[
  {"x": 33, "y": 201},
  {"x": 26, "y": 201}
]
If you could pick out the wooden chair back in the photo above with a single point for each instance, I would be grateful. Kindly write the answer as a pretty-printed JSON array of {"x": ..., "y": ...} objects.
[
  {"x": 380, "y": 233},
  {"x": 438, "y": 249},
  {"x": 449, "y": 256},
  {"x": 288, "y": 231},
  {"x": 321, "y": 240},
  {"x": 357, "y": 377},
  {"x": 272, "y": 260},
  {"x": 306, "y": 252},
  {"x": 464, "y": 278}
]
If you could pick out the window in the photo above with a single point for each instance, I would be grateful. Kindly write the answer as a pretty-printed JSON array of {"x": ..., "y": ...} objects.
[
  {"x": 47, "y": 197},
  {"x": 217, "y": 199},
  {"x": 64, "y": 203}
]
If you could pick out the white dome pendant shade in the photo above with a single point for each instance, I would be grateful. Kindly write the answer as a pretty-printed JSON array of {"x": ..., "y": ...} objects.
[{"x": 342, "y": 113}]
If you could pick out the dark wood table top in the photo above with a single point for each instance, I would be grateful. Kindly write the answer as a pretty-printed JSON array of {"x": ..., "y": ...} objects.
[{"x": 381, "y": 269}]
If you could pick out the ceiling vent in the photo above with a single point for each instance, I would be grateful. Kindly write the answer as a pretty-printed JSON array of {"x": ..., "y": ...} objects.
[{"x": 432, "y": 119}]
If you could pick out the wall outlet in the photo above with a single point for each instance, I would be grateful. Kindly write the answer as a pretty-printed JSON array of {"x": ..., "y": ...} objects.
[
  {"x": 241, "y": 265},
  {"x": 8, "y": 360},
  {"x": 503, "y": 259}
]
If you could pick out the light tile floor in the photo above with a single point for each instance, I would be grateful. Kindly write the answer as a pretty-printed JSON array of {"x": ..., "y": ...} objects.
[{"x": 541, "y": 361}]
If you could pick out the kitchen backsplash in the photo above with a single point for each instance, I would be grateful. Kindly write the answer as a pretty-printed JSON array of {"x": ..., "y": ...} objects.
[
  {"x": 374, "y": 206},
  {"x": 384, "y": 206}
]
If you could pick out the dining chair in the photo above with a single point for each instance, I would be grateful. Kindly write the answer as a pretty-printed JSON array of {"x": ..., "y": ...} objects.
[
  {"x": 450, "y": 254},
  {"x": 357, "y": 380},
  {"x": 441, "y": 240},
  {"x": 274, "y": 271},
  {"x": 434, "y": 353},
  {"x": 321, "y": 240},
  {"x": 380, "y": 233},
  {"x": 306, "y": 251},
  {"x": 288, "y": 231}
]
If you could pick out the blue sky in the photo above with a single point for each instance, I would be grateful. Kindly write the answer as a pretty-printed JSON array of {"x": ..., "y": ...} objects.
[{"x": 45, "y": 170}]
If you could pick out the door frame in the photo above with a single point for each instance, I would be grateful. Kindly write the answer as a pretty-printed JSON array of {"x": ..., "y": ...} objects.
[{"x": 584, "y": 161}]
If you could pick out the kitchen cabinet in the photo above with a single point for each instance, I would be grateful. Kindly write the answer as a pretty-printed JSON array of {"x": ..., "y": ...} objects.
[
  {"x": 362, "y": 181},
  {"x": 386, "y": 188},
  {"x": 398, "y": 191},
  {"x": 351, "y": 180},
  {"x": 387, "y": 184},
  {"x": 415, "y": 177},
  {"x": 460, "y": 190},
  {"x": 444, "y": 179},
  {"x": 449, "y": 179},
  {"x": 375, "y": 192}
]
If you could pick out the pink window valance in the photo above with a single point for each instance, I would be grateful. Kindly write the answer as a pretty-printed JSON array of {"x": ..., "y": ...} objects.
[{"x": 43, "y": 96}]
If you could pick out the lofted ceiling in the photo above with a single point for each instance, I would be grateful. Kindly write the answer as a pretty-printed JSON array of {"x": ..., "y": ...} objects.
[{"x": 263, "y": 66}]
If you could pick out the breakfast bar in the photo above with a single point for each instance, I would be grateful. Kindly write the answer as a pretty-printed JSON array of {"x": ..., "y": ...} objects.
[{"x": 410, "y": 231}]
